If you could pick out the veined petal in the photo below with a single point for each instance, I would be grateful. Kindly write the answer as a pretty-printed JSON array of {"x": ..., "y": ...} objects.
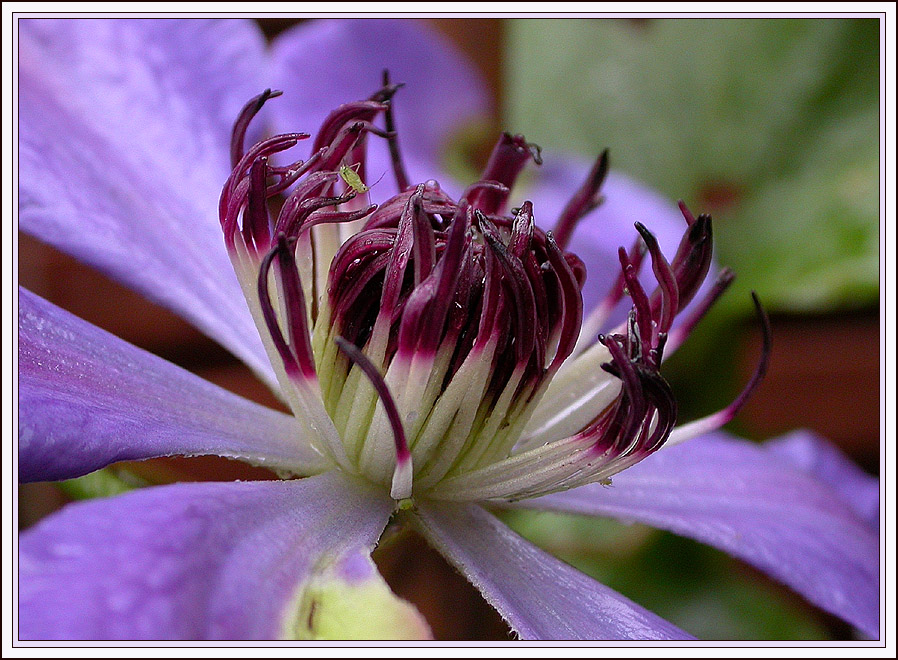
[
  {"x": 539, "y": 596},
  {"x": 190, "y": 561},
  {"x": 88, "y": 399},
  {"x": 124, "y": 137},
  {"x": 325, "y": 63},
  {"x": 823, "y": 460},
  {"x": 746, "y": 500}
]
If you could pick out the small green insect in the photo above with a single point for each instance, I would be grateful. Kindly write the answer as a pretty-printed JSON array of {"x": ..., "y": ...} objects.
[{"x": 351, "y": 176}]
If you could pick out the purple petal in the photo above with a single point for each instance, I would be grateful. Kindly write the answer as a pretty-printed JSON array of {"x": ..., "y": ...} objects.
[
  {"x": 746, "y": 500},
  {"x": 539, "y": 596},
  {"x": 124, "y": 138},
  {"x": 598, "y": 236},
  {"x": 88, "y": 399},
  {"x": 189, "y": 561},
  {"x": 322, "y": 64},
  {"x": 823, "y": 460}
]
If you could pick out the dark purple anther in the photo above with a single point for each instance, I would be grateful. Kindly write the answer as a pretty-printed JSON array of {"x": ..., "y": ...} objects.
[
  {"x": 400, "y": 254},
  {"x": 291, "y": 366},
  {"x": 642, "y": 308},
  {"x": 320, "y": 215},
  {"x": 686, "y": 326},
  {"x": 664, "y": 403},
  {"x": 667, "y": 298},
  {"x": 264, "y": 148},
  {"x": 633, "y": 397},
  {"x": 311, "y": 188},
  {"x": 424, "y": 242},
  {"x": 508, "y": 158},
  {"x": 521, "y": 231},
  {"x": 693, "y": 258},
  {"x": 572, "y": 300},
  {"x": 358, "y": 113},
  {"x": 256, "y": 231},
  {"x": 586, "y": 199},
  {"x": 428, "y": 305},
  {"x": 690, "y": 219},
  {"x": 763, "y": 362},
  {"x": 250, "y": 110},
  {"x": 578, "y": 268},
  {"x": 522, "y": 299},
  {"x": 393, "y": 141},
  {"x": 297, "y": 355},
  {"x": 348, "y": 139},
  {"x": 247, "y": 188}
]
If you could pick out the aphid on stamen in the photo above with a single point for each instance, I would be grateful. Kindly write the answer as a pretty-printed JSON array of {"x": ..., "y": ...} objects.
[{"x": 350, "y": 176}]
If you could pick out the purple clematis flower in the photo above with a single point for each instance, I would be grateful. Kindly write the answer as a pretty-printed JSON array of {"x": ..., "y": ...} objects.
[{"x": 439, "y": 351}]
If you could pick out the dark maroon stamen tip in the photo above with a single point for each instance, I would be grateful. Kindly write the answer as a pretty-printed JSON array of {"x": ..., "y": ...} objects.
[
  {"x": 386, "y": 93},
  {"x": 447, "y": 273},
  {"x": 508, "y": 158},
  {"x": 348, "y": 142},
  {"x": 522, "y": 298},
  {"x": 291, "y": 366},
  {"x": 264, "y": 148},
  {"x": 633, "y": 395},
  {"x": 690, "y": 219},
  {"x": 693, "y": 258},
  {"x": 400, "y": 254},
  {"x": 297, "y": 354},
  {"x": 234, "y": 194},
  {"x": 324, "y": 217},
  {"x": 667, "y": 298},
  {"x": 763, "y": 361},
  {"x": 357, "y": 357},
  {"x": 402, "y": 180},
  {"x": 571, "y": 300},
  {"x": 577, "y": 267},
  {"x": 521, "y": 230},
  {"x": 250, "y": 110},
  {"x": 424, "y": 249},
  {"x": 255, "y": 218},
  {"x": 660, "y": 395},
  {"x": 348, "y": 113},
  {"x": 687, "y": 325},
  {"x": 641, "y": 315},
  {"x": 586, "y": 199},
  {"x": 536, "y": 152},
  {"x": 476, "y": 189}
]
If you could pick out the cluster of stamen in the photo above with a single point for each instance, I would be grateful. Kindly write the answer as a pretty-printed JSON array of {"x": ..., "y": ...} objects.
[{"x": 436, "y": 345}]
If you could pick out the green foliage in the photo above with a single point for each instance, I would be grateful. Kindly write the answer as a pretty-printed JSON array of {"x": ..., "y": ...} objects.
[{"x": 770, "y": 124}]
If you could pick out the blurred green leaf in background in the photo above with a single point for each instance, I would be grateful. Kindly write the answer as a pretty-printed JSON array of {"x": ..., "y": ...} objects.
[{"x": 771, "y": 125}]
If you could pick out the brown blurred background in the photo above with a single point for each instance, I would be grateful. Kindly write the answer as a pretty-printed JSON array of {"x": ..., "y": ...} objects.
[{"x": 805, "y": 386}]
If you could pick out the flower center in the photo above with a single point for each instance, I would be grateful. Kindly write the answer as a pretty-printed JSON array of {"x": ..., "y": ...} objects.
[{"x": 434, "y": 345}]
